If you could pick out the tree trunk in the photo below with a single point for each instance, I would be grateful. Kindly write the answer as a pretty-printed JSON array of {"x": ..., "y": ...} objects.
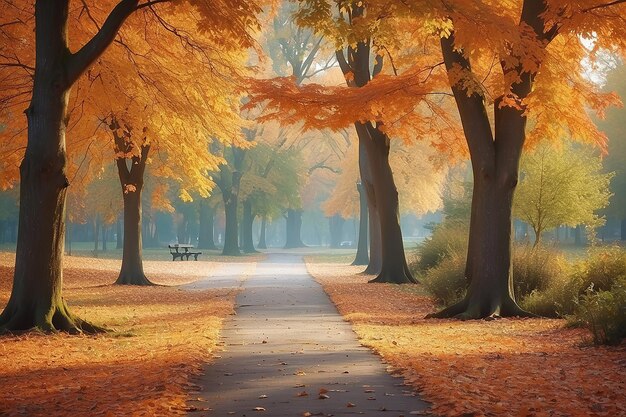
[
  {"x": 623, "y": 229},
  {"x": 131, "y": 272},
  {"x": 362, "y": 257},
  {"x": 231, "y": 233},
  {"x": 104, "y": 237},
  {"x": 376, "y": 250},
  {"x": 335, "y": 226},
  {"x": 36, "y": 300},
  {"x": 120, "y": 241},
  {"x": 394, "y": 268},
  {"x": 246, "y": 224},
  {"x": 68, "y": 238},
  {"x": 207, "y": 219},
  {"x": 495, "y": 160},
  {"x": 131, "y": 181},
  {"x": 96, "y": 233},
  {"x": 293, "y": 228},
  {"x": 262, "y": 241}
]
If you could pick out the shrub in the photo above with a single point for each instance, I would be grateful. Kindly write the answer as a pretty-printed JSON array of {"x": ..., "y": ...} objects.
[
  {"x": 448, "y": 238},
  {"x": 604, "y": 313},
  {"x": 584, "y": 292},
  {"x": 534, "y": 269},
  {"x": 560, "y": 298},
  {"x": 601, "y": 270},
  {"x": 446, "y": 281}
]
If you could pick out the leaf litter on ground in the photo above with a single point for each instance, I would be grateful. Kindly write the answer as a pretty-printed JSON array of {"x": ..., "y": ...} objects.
[
  {"x": 145, "y": 367},
  {"x": 517, "y": 367}
]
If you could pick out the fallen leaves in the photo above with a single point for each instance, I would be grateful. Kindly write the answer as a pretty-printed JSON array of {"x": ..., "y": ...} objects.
[
  {"x": 163, "y": 336},
  {"x": 478, "y": 368}
]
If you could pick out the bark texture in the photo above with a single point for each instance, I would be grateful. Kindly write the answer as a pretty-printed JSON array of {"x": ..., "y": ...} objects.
[
  {"x": 362, "y": 256},
  {"x": 495, "y": 163},
  {"x": 36, "y": 300},
  {"x": 131, "y": 181}
]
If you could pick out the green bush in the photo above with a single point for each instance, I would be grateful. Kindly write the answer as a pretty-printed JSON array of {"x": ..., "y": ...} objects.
[
  {"x": 446, "y": 281},
  {"x": 560, "y": 298},
  {"x": 604, "y": 313},
  {"x": 534, "y": 269},
  {"x": 601, "y": 270},
  {"x": 448, "y": 238},
  {"x": 592, "y": 295}
]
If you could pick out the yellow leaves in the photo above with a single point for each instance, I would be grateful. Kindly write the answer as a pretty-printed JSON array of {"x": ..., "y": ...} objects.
[
  {"x": 129, "y": 188},
  {"x": 185, "y": 196}
]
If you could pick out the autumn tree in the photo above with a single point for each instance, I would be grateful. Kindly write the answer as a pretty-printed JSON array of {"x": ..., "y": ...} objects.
[
  {"x": 36, "y": 295},
  {"x": 524, "y": 62},
  {"x": 295, "y": 51},
  {"x": 561, "y": 187}
]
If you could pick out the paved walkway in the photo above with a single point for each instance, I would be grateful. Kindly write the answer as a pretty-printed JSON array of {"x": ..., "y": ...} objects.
[{"x": 287, "y": 352}]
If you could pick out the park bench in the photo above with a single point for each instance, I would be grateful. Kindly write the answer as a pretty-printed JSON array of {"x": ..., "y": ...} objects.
[{"x": 182, "y": 252}]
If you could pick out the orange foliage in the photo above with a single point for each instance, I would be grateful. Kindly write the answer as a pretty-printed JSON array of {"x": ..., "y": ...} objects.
[
  {"x": 516, "y": 367},
  {"x": 414, "y": 104},
  {"x": 163, "y": 337}
]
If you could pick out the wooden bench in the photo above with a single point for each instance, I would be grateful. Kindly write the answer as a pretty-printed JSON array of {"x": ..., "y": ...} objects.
[{"x": 183, "y": 253}]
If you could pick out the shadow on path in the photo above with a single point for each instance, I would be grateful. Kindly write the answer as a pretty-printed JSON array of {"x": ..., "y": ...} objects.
[{"x": 288, "y": 339}]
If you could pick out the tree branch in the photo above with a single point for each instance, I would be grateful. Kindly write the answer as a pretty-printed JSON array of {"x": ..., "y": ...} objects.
[
  {"x": 602, "y": 6},
  {"x": 82, "y": 59}
]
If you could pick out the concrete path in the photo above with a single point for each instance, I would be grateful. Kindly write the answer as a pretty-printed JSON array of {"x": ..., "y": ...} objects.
[{"x": 287, "y": 352}]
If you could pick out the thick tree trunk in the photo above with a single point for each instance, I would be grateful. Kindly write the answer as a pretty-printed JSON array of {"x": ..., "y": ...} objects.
[
  {"x": 131, "y": 272},
  {"x": 246, "y": 224},
  {"x": 489, "y": 272},
  {"x": 262, "y": 241},
  {"x": 394, "y": 268},
  {"x": 362, "y": 257},
  {"x": 495, "y": 160},
  {"x": 68, "y": 238},
  {"x": 36, "y": 300},
  {"x": 376, "y": 249},
  {"x": 231, "y": 233},
  {"x": 120, "y": 240},
  {"x": 207, "y": 220},
  {"x": 335, "y": 226},
  {"x": 293, "y": 229}
]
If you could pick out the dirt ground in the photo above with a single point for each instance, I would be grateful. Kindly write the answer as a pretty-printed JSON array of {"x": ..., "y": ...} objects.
[{"x": 512, "y": 367}]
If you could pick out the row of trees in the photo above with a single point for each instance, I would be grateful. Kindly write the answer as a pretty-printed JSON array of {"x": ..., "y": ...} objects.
[
  {"x": 167, "y": 96},
  {"x": 505, "y": 63}
]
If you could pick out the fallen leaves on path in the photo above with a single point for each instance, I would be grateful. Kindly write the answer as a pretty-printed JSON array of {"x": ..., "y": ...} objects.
[
  {"x": 516, "y": 367},
  {"x": 162, "y": 337}
]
